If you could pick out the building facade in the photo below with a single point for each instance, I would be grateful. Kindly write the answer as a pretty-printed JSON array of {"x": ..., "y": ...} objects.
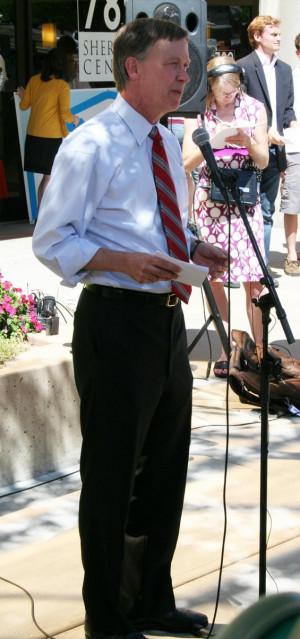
[{"x": 25, "y": 26}]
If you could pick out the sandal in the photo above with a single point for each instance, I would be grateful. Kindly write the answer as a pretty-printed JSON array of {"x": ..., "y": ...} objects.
[{"x": 221, "y": 366}]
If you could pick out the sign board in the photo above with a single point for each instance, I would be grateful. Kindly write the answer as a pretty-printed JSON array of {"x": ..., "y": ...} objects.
[
  {"x": 98, "y": 21},
  {"x": 85, "y": 103}
]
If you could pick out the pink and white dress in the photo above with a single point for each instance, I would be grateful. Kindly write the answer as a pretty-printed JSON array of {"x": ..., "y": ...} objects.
[{"x": 213, "y": 217}]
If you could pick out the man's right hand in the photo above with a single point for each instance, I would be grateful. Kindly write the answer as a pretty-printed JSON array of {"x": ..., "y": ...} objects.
[{"x": 144, "y": 268}]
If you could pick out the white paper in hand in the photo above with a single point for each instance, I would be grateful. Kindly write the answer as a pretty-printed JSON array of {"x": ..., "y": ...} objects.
[
  {"x": 190, "y": 273},
  {"x": 218, "y": 141}
]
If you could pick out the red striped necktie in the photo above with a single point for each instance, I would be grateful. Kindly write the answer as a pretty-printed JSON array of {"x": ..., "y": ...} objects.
[{"x": 170, "y": 214}]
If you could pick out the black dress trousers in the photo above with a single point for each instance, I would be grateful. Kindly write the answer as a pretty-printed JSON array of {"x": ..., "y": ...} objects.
[{"x": 134, "y": 380}]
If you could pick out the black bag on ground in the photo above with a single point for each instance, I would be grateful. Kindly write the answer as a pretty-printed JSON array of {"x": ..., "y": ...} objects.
[{"x": 246, "y": 182}]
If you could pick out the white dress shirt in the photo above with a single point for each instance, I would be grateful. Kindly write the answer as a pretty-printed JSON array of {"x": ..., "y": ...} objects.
[
  {"x": 102, "y": 195},
  {"x": 270, "y": 75},
  {"x": 296, "y": 79}
]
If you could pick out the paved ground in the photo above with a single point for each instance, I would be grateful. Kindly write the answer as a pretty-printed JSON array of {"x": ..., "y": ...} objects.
[{"x": 40, "y": 546}]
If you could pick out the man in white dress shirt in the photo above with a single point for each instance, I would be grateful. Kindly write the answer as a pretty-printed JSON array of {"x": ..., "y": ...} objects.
[{"x": 100, "y": 224}]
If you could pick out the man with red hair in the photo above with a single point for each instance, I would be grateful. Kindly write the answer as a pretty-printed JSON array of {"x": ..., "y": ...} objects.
[{"x": 270, "y": 81}]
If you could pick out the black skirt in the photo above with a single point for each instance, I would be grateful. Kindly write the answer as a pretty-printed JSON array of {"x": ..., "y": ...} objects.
[{"x": 40, "y": 153}]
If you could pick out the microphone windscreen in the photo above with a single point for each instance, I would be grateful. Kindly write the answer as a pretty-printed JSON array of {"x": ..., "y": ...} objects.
[{"x": 200, "y": 136}]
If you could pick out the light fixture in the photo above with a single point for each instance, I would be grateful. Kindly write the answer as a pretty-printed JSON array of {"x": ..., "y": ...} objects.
[{"x": 48, "y": 35}]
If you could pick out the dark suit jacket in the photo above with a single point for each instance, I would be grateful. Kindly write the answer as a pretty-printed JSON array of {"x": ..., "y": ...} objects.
[{"x": 256, "y": 86}]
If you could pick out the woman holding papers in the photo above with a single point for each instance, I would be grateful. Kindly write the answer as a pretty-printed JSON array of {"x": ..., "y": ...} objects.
[{"x": 244, "y": 121}]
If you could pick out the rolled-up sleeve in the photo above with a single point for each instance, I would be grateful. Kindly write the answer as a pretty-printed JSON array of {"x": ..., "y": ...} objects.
[{"x": 69, "y": 203}]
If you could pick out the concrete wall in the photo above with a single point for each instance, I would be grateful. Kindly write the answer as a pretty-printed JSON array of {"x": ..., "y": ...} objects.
[{"x": 39, "y": 405}]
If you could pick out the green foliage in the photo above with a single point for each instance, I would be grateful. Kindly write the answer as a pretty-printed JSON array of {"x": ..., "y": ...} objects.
[{"x": 9, "y": 348}]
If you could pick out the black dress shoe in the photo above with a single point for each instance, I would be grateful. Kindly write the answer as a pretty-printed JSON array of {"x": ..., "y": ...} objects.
[{"x": 175, "y": 621}]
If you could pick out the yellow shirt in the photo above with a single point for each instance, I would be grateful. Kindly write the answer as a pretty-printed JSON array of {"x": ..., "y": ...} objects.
[{"x": 50, "y": 107}]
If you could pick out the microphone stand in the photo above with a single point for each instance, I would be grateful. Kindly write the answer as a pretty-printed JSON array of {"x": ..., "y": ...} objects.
[
  {"x": 213, "y": 317},
  {"x": 270, "y": 365}
]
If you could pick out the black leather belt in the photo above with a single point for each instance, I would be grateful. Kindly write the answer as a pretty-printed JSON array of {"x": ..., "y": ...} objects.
[{"x": 156, "y": 299}]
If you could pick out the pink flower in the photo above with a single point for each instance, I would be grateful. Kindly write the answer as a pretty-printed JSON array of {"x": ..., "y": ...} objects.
[
  {"x": 16, "y": 306},
  {"x": 9, "y": 309},
  {"x": 7, "y": 285},
  {"x": 30, "y": 301}
]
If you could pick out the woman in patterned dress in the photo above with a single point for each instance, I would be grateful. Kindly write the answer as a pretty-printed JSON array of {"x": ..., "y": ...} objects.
[{"x": 226, "y": 105}]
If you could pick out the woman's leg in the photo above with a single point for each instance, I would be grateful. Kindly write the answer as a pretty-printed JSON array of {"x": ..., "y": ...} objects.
[
  {"x": 220, "y": 296},
  {"x": 41, "y": 189}
]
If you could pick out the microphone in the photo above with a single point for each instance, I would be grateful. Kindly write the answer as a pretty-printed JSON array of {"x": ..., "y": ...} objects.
[{"x": 201, "y": 138}]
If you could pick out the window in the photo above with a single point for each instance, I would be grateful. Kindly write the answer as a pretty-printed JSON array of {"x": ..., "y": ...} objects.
[{"x": 227, "y": 30}]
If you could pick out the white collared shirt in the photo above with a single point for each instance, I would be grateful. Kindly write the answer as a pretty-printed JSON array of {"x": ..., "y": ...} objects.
[
  {"x": 102, "y": 195},
  {"x": 296, "y": 79},
  {"x": 270, "y": 75}
]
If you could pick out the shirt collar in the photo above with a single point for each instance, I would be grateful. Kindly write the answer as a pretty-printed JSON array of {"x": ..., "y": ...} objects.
[
  {"x": 265, "y": 60},
  {"x": 138, "y": 125}
]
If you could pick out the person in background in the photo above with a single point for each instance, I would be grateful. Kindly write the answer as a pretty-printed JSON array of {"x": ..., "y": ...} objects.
[
  {"x": 290, "y": 192},
  {"x": 47, "y": 95},
  {"x": 67, "y": 44},
  {"x": 226, "y": 105},
  {"x": 270, "y": 81},
  {"x": 101, "y": 223}
]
